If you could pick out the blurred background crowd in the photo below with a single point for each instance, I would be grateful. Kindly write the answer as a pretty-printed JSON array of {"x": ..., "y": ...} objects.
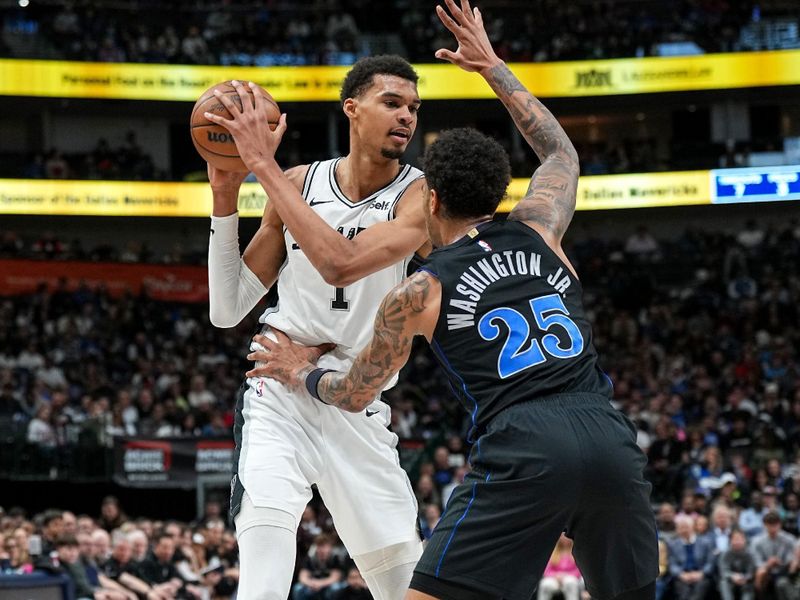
[
  {"x": 695, "y": 313},
  {"x": 699, "y": 334}
]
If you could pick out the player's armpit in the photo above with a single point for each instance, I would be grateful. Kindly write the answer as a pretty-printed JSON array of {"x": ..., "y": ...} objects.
[
  {"x": 385, "y": 244},
  {"x": 410, "y": 309}
]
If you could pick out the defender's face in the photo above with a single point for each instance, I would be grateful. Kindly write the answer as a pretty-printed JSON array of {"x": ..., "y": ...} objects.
[{"x": 385, "y": 115}]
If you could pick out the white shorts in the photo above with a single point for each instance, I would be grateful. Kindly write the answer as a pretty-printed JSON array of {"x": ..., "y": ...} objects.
[{"x": 290, "y": 441}]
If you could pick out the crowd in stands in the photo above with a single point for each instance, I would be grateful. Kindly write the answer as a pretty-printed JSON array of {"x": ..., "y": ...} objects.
[
  {"x": 111, "y": 556},
  {"x": 699, "y": 333},
  {"x": 339, "y": 31},
  {"x": 127, "y": 162},
  {"x": 49, "y": 246}
]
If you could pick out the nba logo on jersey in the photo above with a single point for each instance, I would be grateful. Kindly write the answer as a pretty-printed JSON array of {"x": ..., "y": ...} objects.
[{"x": 486, "y": 247}]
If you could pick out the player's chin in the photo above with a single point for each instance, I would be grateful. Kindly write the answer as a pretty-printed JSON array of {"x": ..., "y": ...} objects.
[{"x": 393, "y": 152}]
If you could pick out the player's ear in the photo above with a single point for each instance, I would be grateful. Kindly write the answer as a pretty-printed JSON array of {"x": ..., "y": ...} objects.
[
  {"x": 349, "y": 107},
  {"x": 434, "y": 204}
]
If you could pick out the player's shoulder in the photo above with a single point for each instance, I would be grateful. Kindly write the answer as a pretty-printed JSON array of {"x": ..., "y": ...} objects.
[
  {"x": 297, "y": 175},
  {"x": 300, "y": 174},
  {"x": 410, "y": 197}
]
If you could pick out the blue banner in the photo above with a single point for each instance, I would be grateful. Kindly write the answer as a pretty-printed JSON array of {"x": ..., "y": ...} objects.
[{"x": 761, "y": 184}]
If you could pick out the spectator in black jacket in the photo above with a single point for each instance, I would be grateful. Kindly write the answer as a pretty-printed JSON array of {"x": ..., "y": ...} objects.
[{"x": 158, "y": 569}]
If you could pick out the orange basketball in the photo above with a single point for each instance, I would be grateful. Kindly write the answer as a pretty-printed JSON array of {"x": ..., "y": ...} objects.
[{"x": 214, "y": 143}]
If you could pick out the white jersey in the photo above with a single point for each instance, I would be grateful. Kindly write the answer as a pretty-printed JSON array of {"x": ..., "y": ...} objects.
[{"x": 311, "y": 311}]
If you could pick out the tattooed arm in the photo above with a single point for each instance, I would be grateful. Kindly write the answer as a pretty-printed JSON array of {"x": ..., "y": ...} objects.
[
  {"x": 410, "y": 309},
  {"x": 549, "y": 203}
]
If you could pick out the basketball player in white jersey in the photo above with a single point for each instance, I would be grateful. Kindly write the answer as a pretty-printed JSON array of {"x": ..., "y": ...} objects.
[{"x": 336, "y": 236}]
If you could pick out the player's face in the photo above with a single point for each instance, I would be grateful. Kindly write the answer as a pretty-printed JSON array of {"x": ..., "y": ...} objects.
[{"x": 385, "y": 115}]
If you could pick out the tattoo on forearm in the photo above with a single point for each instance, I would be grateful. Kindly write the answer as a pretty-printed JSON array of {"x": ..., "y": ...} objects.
[
  {"x": 387, "y": 352},
  {"x": 550, "y": 199}
]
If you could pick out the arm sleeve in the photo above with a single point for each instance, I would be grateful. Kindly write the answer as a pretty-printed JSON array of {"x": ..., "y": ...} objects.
[{"x": 233, "y": 289}]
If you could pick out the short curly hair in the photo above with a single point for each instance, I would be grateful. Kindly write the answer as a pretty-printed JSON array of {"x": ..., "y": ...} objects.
[
  {"x": 469, "y": 171},
  {"x": 360, "y": 78}
]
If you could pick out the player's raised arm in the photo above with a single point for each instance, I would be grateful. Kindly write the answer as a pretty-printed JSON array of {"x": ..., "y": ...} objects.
[
  {"x": 549, "y": 203},
  {"x": 410, "y": 309}
]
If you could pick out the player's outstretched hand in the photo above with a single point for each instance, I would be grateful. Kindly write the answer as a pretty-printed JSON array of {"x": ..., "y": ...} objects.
[
  {"x": 283, "y": 360},
  {"x": 474, "y": 51},
  {"x": 255, "y": 140}
]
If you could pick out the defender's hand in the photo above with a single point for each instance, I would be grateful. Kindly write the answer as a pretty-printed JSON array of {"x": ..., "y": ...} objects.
[
  {"x": 249, "y": 125},
  {"x": 284, "y": 360},
  {"x": 474, "y": 51}
]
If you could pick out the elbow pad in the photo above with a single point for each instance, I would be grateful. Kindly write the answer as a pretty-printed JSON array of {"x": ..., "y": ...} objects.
[{"x": 233, "y": 289}]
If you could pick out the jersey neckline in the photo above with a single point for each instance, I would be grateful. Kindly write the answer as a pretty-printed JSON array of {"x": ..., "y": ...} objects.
[{"x": 404, "y": 170}]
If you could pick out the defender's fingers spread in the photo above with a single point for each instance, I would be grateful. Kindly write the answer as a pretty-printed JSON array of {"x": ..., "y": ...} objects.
[
  {"x": 446, "y": 20},
  {"x": 455, "y": 11},
  {"x": 446, "y": 55},
  {"x": 466, "y": 9}
]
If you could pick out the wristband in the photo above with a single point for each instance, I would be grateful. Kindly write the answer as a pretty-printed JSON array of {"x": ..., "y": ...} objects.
[{"x": 312, "y": 381}]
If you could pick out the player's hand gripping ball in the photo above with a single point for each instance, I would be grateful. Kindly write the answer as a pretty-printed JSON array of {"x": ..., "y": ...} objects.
[{"x": 214, "y": 142}]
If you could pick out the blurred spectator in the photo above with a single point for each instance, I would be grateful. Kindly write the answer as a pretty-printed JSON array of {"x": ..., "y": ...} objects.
[
  {"x": 642, "y": 245},
  {"x": 773, "y": 550},
  {"x": 737, "y": 569},
  {"x": 55, "y": 167},
  {"x": 111, "y": 515},
  {"x": 68, "y": 554},
  {"x": 561, "y": 575},
  {"x": 722, "y": 522},
  {"x": 158, "y": 569},
  {"x": 321, "y": 573},
  {"x": 691, "y": 559},
  {"x": 355, "y": 587}
]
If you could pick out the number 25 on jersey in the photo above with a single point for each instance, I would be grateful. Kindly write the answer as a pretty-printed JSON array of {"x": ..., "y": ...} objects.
[{"x": 549, "y": 312}]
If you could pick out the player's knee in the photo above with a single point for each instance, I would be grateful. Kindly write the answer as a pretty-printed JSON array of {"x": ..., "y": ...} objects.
[
  {"x": 389, "y": 557},
  {"x": 256, "y": 516}
]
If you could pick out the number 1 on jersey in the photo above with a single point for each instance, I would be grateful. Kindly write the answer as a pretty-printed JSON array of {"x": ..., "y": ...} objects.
[{"x": 339, "y": 302}]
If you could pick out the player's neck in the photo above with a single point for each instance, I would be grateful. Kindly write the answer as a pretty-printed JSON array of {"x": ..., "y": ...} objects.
[
  {"x": 359, "y": 175},
  {"x": 452, "y": 231}
]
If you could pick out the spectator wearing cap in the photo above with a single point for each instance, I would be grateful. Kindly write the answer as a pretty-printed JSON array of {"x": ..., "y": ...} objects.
[
  {"x": 737, "y": 569},
  {"x": 691, "y": 561},
  {"x": 773, "y": 550}
]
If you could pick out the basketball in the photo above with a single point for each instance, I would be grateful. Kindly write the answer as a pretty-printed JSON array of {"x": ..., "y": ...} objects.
[{"x": 215, "y": 143}]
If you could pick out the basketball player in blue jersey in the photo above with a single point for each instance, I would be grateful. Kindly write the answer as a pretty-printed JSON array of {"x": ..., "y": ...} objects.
[
  {"x": 502, "y": 308},
  {"x": 335, "y": 236}
]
